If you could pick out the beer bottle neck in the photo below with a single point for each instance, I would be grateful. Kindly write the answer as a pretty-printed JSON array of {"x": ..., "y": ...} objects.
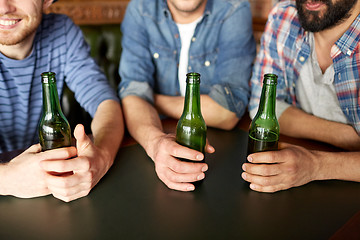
[
  {"x": 51, "y": 104},
  {"x": 192, "y": 98},
  {"x": 267, "y": 101}
]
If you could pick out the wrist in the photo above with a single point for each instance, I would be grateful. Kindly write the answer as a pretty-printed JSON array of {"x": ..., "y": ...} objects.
[
  {"x": 321, "y": 166},
  {"x": 152, "y": 142}
]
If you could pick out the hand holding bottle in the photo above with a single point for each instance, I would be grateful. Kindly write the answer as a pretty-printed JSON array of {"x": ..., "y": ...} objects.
[
  {"x": 272, "y": 171},
  {"x": 177, "y": 174},
  {"x": 88, "y": 167},
  {"x": 24, "y": 177}
]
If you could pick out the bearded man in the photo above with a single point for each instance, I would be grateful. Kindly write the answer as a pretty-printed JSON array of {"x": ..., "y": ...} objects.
[
  {"x": 162, "y": 42},
  {"x": 31, "y": 43},
  {"x": 314, "y": 48}
]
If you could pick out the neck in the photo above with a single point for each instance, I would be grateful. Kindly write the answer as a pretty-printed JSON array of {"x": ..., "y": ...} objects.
[
  {"x": 20, "y": 50},
  {"x": 330, "y": 36},
  {"x": 184, "y": 17},
  {"x": 324, "y": 40}
]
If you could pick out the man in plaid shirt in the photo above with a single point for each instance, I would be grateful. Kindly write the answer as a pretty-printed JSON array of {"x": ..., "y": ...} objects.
[{"x": 313, "y": 47}]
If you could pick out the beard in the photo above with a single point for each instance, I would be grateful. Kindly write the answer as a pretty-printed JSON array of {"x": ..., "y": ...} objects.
[
  {"x": 316, "y": 21},
  {"x": 27, "y": 27}
]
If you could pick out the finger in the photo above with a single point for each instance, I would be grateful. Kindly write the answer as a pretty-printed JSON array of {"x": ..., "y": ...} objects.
[
  {"x": 78, "y": 164},
  {"x": 59, "y": 153},
  {"x": 82, "y": 140},
  {"x": 68, "y": 198},
  {"x": 261, "y": 180},
  {"x": 208, "y": 147},
  {"x": 268, "y": 189},
  {"x": 262, "y": 169},
  {"x": 179, "y": 186},
  {"x": 179, "y": 151},
  {"x": 264, "y": 157},
  {"x": 282, "y": 145},
  {"x": 36, "y": 148},
  {"x": 66, "y": 181},
  {"x": 183, "y": 177},
  {"x": 180, "y": 166}
]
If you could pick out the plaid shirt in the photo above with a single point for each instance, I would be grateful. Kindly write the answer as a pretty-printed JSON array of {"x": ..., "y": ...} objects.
[{"x": 284, "y": 50}]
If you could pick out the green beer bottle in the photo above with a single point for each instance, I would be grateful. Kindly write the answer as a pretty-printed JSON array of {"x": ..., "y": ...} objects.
[
  {"x": 54, "y": 129},
  {"x": 191, "y": 127},
  {"x": 264, "y": 128}
]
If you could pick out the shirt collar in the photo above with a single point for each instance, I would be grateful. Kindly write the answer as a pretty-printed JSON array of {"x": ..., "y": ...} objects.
[{"x": 349, "y": 41}]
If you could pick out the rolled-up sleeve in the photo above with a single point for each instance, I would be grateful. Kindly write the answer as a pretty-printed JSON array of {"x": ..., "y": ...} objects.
[
  {"x": 237, "y": 49},
  {"x": 136, "y": 68}
]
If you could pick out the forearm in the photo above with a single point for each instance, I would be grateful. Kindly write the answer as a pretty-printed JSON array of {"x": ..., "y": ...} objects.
[
  {"x": 108, "y": 127},
  {"x": 143, "y": 121},
  {"x": 213, "y": 114},
  {"x": 338, "y": 165},
  {"x": 296, "y": 123}
]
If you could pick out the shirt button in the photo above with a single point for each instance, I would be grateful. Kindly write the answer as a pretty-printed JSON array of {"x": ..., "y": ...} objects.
[
  {"x": 193, "y": 39},
  {"x": 176, "y": 35},
  {"x": 156, "y": 55},
  {"x": 348, "y": 52},
  {"x": 189, "y": 68},
  {"x": 175, "y": 52},
  {"x": 227, "y": 91},
  {"x": 339, "y": 76},
  {"x": 301, "y": 59},
  {"x": 207, "y": 63}
]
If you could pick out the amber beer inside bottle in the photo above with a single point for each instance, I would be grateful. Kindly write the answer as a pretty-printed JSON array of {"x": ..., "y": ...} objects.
[
  {"x": 262, "y": 142},
  {"x": 191, "y": 127},
  {"x": 264, "y": 129},
  {"x": 54, "y": 129}
]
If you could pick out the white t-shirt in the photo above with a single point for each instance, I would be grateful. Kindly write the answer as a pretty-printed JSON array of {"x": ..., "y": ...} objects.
[
  {"x": 315, "y": 91},
  {"x": 186, "y": 33}
]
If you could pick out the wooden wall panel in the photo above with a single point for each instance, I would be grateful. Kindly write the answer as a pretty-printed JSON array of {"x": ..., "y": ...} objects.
[{"x": 88, "y": 12}]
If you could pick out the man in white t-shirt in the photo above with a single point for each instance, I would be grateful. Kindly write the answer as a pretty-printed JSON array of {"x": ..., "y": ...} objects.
[
  {"x": 164, "y": 40},
  {"x": 313, "y": 47}
]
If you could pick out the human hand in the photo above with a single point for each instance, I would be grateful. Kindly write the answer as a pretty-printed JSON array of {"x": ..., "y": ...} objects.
[
  {"x": 87, "y": 169},
  {"x": 23, "y": 177},
  {"x": 177, "y": 174},
  {"x": 272, "y": 171}
]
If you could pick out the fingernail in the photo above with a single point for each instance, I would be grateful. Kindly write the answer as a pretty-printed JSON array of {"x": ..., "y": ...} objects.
[
  {"x": 244, "y": 167},
  {"x": 249, "y": 158},
  {"x": 199, "y": 157},
  {"x": 201, "y": 176},
  {"x": 205, "y": 168},
  {"x": 244, "y": 176},
  {"x": 191, "y": 188},
  {"x": 252, "y": 186}
]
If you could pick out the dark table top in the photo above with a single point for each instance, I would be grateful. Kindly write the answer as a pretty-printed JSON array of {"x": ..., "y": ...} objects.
[{"x": 130, "y": 202}]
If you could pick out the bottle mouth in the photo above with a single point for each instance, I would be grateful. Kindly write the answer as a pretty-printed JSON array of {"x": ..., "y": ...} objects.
[
  {"x": 47, "y": 77},
  {"x": 193, "y": 77},
  {"x": 270, "y": 78}
]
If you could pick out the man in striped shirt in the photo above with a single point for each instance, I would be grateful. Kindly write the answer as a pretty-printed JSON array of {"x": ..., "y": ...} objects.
[
  {"x": 314, "y": 48},
  {"x": 32, "y": 43}
]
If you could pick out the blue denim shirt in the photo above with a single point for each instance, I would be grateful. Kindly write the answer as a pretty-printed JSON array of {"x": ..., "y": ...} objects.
[{"x": 222, "y": 51}]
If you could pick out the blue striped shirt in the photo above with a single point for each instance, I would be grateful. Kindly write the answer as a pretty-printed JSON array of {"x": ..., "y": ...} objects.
[
  {"x": 284, "y": 50},
  {"x": 58, "y": 47}
]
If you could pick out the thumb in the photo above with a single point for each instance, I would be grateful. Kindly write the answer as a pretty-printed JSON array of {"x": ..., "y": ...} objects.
[
  {"x": 208, "y": 147},
  {"x": 283, "y": 145},
  {"x": 82, "y": 140}
]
